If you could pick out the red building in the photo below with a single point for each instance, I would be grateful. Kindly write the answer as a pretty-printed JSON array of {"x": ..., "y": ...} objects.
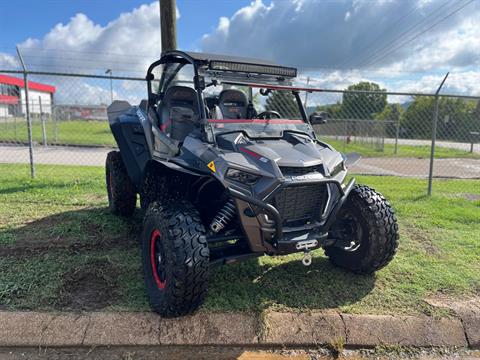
[{"x": 12, "y": 96}]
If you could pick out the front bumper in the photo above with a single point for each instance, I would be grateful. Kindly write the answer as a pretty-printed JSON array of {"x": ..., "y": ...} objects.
[{"x": 284, "y": 242}]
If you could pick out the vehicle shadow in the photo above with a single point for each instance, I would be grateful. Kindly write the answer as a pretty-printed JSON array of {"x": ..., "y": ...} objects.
[
  {"x": 76, "y": 230},
  {"x": 89, "y": 233},
  {"x": 28, "y": 187},
  {"x": 265, "y": 282}
]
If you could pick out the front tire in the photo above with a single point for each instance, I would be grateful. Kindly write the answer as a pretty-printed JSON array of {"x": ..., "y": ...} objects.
[
  {"x": 122, "y": 197},
  {"x": 369, "y": 232},
  {"x": 175, "y": 258}
]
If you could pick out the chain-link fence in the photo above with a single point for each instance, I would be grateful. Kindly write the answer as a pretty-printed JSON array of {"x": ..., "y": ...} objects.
[{"x": 392, "y": 132}]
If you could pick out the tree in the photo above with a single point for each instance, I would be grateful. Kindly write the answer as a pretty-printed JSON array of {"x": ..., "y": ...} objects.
[
  {"x": 363, "y": 105},
  {"x": 456, "y": 118},
  {"x": 477, "y": 112},
  {"x": 392, "y": 113},
  {"x": 334, "y": 111},
  {"x": 283, "y": 102}
]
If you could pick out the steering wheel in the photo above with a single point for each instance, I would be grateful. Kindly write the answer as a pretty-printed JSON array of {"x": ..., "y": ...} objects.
[{"x": 269, "y": 114}]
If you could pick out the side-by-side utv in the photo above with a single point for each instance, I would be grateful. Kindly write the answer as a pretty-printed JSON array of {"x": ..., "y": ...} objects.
[{"x": 227, "y": 166}]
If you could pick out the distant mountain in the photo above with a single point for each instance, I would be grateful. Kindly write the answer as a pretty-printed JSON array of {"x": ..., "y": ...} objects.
[{"x": 406, "y": 104}]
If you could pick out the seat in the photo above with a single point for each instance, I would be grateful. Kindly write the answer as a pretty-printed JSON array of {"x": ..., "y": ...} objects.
[
  {"x": 233, "y": 104},
  {"x": 179, "y": 112}
]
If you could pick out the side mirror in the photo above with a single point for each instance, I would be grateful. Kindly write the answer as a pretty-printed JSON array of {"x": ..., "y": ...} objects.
[{"x": 318, "y": 118}]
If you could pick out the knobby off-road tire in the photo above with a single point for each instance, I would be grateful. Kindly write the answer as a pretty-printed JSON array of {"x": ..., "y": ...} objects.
[
  {"x": 122, "y": 197},
  {"x": 175, "y": 258},
  {"x": 377, "y": 230}
]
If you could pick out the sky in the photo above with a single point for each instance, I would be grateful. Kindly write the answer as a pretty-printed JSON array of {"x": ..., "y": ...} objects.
[{"x": 404, "y": 45}]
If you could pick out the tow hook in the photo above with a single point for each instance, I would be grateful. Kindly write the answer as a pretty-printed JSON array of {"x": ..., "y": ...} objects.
[
  {"x": 307, "y": 258},
  {"x": 306, "y": 246}
]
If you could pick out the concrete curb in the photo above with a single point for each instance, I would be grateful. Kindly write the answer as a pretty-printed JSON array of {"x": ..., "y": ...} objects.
[{"x": 239, "y": 329}]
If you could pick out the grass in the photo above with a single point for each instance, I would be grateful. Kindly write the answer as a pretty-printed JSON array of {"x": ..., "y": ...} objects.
[
  {"x": 74, "y": 132},
  {"x": 416, "y": 151},
  {"x": 60, "y": 248},
  {"x": 83, "y": 132}
]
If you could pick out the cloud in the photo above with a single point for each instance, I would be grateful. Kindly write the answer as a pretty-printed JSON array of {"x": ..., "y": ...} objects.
[
  {"x": 313, "y": 34},
  {"x": 8, "y": 62},
  {"x": 126, "y": 45}
]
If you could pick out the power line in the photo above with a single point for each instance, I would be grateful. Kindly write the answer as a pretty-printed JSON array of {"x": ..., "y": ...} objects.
[
  {"x": 369, "y": 45},
  {"x": 421, "y": 33},
  {"x": 425, "y": 21}
]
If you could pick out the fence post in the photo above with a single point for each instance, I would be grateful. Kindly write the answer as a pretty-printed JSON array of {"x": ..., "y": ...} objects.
[
  {"x": 55, "y": 115},
  {"x": 434, "y": 135},
  {"x": 27, "y": 112},
  {"x": 397, "y": 134},
  {"x": 15, "y": 125},
  {"x": 42, "y": 120}
]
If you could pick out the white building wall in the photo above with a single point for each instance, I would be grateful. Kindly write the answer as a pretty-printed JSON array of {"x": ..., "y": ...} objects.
[
  {"x": 4, "y": 110},
  {"x": 35, "y": 97}
]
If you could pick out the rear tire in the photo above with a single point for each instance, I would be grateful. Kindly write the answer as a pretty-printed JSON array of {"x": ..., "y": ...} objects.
[
  {"x": 374, "y": 231},
  {"x": 175, "y": 258},
  {"x": 122, "y": 197}
]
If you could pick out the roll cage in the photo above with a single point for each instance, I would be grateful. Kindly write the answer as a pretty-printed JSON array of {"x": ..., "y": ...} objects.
[{"x": 232, "y": 70}]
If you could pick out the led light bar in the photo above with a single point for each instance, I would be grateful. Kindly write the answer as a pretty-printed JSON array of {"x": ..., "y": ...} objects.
[{"x": 252, "y": 68}]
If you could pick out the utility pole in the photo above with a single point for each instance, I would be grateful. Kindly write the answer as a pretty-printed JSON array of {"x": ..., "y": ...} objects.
[
  {"x": 306, "y": 94},
  {"x": 168, "y": 24},
  {"x": 109, "y": 71}
]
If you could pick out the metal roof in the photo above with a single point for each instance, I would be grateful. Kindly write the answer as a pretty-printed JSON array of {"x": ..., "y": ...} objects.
[{"x": 10, "y": 80}]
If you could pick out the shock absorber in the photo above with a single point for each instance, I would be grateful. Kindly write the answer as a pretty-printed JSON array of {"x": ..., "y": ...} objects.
[{"x": 223, "y": 217}]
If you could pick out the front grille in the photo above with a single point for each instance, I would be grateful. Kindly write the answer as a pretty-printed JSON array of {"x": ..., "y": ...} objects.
[
  {"x": 296, "y": 171},
  {"x": 301, "y": 204}
]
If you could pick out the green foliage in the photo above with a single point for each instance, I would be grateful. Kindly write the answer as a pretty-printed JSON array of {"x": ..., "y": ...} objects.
[
  {"x": 361, "y": 105},
  {"x": 392, "y": 113},
  {"x": 334, "y": 111},
  {"x": 456, "y": 118},
  {"x": 285, "y": 103}
]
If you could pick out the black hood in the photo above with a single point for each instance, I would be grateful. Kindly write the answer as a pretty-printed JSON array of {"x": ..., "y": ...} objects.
[{"x": 293, "y": 150}]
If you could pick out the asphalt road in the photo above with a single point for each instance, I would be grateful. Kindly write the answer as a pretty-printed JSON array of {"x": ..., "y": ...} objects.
[
  {"x": 409, "y": 167},
  {"x": 413, "y": 142}
]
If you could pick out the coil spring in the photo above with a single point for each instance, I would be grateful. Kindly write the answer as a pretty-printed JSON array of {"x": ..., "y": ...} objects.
[{"x": 223, "y": 217}]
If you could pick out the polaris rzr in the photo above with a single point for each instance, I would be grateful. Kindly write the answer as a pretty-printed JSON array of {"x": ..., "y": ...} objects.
[{"x": 227, "y": 166}]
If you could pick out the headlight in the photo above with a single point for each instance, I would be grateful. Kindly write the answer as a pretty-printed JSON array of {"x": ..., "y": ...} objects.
[
  {"x": 339, "y": 167},
  {"x": 242, "y": 176}
]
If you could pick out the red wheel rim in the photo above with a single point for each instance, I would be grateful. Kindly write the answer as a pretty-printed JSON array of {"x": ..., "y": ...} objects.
[{"x": 153, "y": 239}]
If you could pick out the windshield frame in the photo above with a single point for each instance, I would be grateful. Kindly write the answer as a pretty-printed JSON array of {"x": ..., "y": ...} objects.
[{"x": 202, "y": 68}]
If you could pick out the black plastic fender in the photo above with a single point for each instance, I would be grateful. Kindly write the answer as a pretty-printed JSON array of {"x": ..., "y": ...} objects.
[{"x": 133, "y": 136}]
